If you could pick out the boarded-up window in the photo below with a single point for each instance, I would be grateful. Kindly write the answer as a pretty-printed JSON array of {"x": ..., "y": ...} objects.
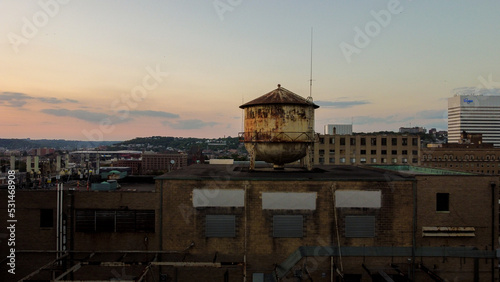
[
  {"x": 85, "y": 221},
  {"x": 288, "y": 226},
  {"x": 115, "y": 220},
  {"x": 360, "y": 226},
  {"x": 358, "y": 199},
  {"x": 105, "y": 221},
  {"x": 220, "y": 226},
  {"x": 289, "y": 201},
  {"x": 218, "y": 198}
]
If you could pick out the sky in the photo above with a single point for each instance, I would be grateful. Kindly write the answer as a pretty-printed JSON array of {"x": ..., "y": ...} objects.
[{"x": 115, "y": 70}]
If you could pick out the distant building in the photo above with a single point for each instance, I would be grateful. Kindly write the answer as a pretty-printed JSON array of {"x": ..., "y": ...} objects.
[
  {"x": 412, "y": 130},
  {"x": 341, "y": 129},
  {"x": 152, "y": 162},
  {"x": 162, "y": 162},
  {"x": 367, "y": 149},
  {"x": 469, "y": 155},
  {"x": 474, "y": 114},
  {"x": 134, "y": 165}
]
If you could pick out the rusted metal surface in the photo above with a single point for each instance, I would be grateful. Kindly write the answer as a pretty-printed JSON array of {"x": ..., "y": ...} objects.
[
  {"x": 279, "y": 127},
  {"x": 280, "y": 96},
  {"x": 448, "y": 232}
]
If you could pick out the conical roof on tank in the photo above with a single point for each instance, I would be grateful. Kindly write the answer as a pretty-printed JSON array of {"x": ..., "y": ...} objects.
[{"x": 280, "y": 95}]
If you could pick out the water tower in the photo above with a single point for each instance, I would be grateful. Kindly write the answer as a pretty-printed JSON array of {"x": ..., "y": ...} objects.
[{"x": 279, "y": 128}]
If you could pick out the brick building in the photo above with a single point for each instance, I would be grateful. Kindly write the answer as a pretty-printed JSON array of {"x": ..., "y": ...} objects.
[
  {"x": 470, "y": 155},
  {"x": 162, "y": 162},
  {"x": 153, "y": 163},
  {"x": 224, "y": 223},
  {"x": 135, "y": 165},
  {"x": 367, "y": 149}
]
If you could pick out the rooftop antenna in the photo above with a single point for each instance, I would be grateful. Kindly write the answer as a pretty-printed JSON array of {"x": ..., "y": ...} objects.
[{"x": 311, "y": 74}]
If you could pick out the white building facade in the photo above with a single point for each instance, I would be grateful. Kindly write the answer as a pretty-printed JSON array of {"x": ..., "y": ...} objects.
[
  {"x": 340, "y": 129},
  {"x": 474, "y": 114}
]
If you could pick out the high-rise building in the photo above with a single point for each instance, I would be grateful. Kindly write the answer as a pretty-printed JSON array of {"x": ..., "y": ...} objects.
[{"x": 474, "y": 114}]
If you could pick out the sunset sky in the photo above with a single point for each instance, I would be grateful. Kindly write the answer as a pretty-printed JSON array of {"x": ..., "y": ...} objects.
[{"x": 115, "y": 70}]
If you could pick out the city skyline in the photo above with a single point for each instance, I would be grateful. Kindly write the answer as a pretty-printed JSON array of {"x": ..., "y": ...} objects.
[{"x": 89, "y": 70}]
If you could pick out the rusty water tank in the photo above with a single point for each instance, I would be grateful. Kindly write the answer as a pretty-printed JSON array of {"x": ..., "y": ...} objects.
[{"x": 279, "y": 127}]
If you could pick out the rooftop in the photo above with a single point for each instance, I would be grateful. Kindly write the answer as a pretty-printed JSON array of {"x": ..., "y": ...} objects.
[
  {"x": 290, "y": 173},
  {"x": 418, "y": 170},
  {"x": 280, "y": 95}
]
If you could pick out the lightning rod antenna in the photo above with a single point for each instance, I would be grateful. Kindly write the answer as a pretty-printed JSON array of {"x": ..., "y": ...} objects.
[{"x": 311, "y": 74}]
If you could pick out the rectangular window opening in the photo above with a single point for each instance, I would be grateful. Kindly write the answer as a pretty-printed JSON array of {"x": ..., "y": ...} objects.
[{"x": 443, "y": 202}]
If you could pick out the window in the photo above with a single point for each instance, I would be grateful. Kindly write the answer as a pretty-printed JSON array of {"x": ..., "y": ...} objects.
[
  {"x": 394, "y": 141},
  {"x": 443, "y": 202},
  {"x": 360, "y": 226},
  {"x": 342, "y": 160},
  {"x": 331, "y": 160},
  {"x": 363, "y": 141},
  {"x": 404, "y": 152},
  {"x": 374, "y": 160},
  {"x": 384, "y": 141},
  {"x": 404, "y": 141},
  {"x": 373, "y": 141},
  {"x": 46, "y": 218},
  {"x": 414, "y": 141},
  {"x": 353, "y": 160},
  {"x": 363, "y": 152},
  {"x": 321, "y": 152},
  {"x": 414, "y": 152},
  {"x": 394, "y": 160},
  {"x": 353, "y": 141},
  {"x": 362, "y": 160},
  {"x": 115, "y": 221},
  {"x": 384, "y": 152},
  {"x": 332, "y": 151},
  {"x": 342, "y": 141},
  {"x": 220, "y": 226},
  {"x": 332, "y": 140},
  {"x": 321, "y": 160},
  {"x": 321, "y": 140},
  {"x": 373, "y": 152},
  {"x": 288, "y": 226},
  {"x": 394, "y": 152}
]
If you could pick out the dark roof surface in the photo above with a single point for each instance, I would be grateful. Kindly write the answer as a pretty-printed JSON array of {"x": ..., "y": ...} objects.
[
  {"x": 290, "y": 173},
  {"x": 280, "y": 95}
]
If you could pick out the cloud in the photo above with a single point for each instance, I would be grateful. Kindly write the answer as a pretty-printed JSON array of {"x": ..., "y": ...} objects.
[
  {"x": 152, "y": 114},
  {"x": 476, "y": 91},
  {"x": 189, "y": 124},
  {"x": 432, "y": 114},
  {"x": 16, "y": 99},
  {"x": 341, "y": 104},
  {"x": 85, "y": 115},
  {"x": 387, "y": 119}
]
